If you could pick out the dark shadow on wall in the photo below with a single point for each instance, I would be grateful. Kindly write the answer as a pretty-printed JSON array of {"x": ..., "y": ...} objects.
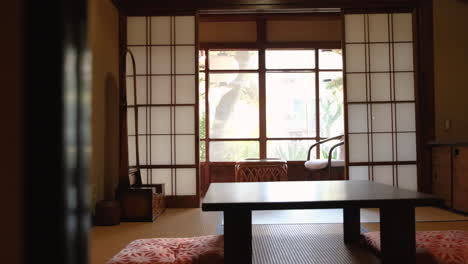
[{"x": 111, "y": 136}]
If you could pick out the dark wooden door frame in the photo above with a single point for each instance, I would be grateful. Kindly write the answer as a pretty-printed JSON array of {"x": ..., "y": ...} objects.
[
  {"x": 56, "y": 132},
  {"x": 422, "y": 9}
]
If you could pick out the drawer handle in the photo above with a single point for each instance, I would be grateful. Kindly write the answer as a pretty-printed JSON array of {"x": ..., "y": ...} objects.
[{"x": 457, "y": 152}]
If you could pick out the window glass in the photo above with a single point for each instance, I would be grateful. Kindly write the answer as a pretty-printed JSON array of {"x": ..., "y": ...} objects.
[
  {"x": 331, "y": 104},
  {"x": 290, "y": 149},
  {"x": 290, "y": 59},
  {"x": 330, "y": 59},
  {"x": 233, "y": 150},
  {"x": 233, "y": 60},
  {"x": 234, "y": 105},
  {"x": 290, "y": 105}
]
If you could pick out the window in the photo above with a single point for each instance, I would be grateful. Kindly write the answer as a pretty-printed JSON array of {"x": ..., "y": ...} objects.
[{"x": 271, "y": 103}]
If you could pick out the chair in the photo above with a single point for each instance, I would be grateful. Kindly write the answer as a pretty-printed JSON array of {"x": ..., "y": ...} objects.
[
  {"x": 321, "y": 165},
  {"x": 141, "y": 202},
  {"x": 258, "y": 170}
]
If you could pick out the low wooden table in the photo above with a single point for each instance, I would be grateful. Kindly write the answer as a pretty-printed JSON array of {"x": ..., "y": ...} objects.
[
  {"x": 397, "y": 220},
  {"x": 261, "y": 170}
]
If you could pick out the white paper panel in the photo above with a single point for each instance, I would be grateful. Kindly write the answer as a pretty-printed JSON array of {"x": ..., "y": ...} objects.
[
  {"x": 358, "y": 148},
  {"x": 402, "y": 27},
  {"x": 357, "y": 118},
  {"x": 404, "y": 86},
  {"x": 380, "y": 86},
  {"x": 383, "y": 174},
  {"x": 379, "y": 57},
  {"x": 355, "y": 58},
  {"x": 173, "y": 144},
  {"x": 142, "y": 149},
  {"x": 358, "y": 173},
  {"x": 136, "y": 30},
  {"x": 161, "y": 89},
  {"x": 160, "y": 30},
  {"x": 161, "y": 60},
  {"x": 185, "y": 30},
  {"x": 131, "y": 151},
  {"x": 381, "y": 118},
  {"x": 131, "y": 121},
  {"x": 356, "y": 87},
  {"x": 406, "y": 146},
  {"x": 354, "y": 28},
  {"x": 144, "y": 176},
  {"x": 405, "y": 117},
  {"x": 185, "y": 119},
  {"x": 160, "y": 150},
  {"x": 160, "y": 120},
  {"x": 142, "y": 122},
  {"x": 382, "y": 147},
  {"x": 185, "y": 89},
  {"x": 185, "y": 150},
  {"x": 129, "y": 87},
  {"x": 408, "y": 177},
  {"x": 141, "y": 90},
  {"x": 162, "y": 176},
  {"x": 139, "y": 54},
  {"x": 378, "y": 28},
  {"x": 403, "y": 56},
  {"x": 185, "y": 60},
  {"x": 186, "y": 182}
]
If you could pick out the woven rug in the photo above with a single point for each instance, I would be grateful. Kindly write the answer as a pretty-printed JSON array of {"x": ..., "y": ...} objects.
[{"x": 305, "y": 243}]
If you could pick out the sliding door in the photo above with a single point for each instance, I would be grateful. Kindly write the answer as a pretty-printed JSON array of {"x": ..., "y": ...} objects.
[
  {"x": 164, "y": 48},
  {"x": 380, "y": 98}
]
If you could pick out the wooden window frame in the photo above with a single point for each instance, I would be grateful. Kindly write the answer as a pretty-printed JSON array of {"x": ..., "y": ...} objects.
[{"x": 261, "y": 45}]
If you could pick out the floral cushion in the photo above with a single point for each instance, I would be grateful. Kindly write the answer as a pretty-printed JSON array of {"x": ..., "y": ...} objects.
[
  {"x": 194, "y": 250},
  {"x": 442, "y": 247}
]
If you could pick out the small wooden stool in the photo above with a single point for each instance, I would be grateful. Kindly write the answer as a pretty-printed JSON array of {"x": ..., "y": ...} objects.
[
  {"x": 199, "y": 250},
  {"x": 260, "y": 170}
]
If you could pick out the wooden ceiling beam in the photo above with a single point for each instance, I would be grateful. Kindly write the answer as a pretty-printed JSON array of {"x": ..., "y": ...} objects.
[{"x": 144, "y": 7}]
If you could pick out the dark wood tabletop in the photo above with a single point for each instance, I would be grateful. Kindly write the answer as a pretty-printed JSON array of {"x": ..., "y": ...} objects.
[{"x": 309, "y": 194}]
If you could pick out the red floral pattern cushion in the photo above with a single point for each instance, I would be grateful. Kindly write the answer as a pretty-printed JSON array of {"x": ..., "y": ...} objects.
[
  {"x": 447, "y": 247},
  {"x": 194, "y": 250}
]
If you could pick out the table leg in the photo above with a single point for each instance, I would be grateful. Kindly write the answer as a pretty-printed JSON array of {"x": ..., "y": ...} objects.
[
  {"x": 237, "y": 236},
  {"x": 398, "y": 234},
  {"x": 351, "y": 224}
]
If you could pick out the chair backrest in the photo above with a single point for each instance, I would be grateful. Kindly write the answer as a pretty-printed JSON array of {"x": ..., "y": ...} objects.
[
  {"x": 134, "y": 177},
  {"x": 339, "y": 148},
  {"x": 341, "y": 152},
  {"x": 256, "y": 170}
]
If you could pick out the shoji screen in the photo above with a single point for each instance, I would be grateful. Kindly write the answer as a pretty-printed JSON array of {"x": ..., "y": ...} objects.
[
  {"x": 164, "y": 48},
  {"x": 381, "y": 125}
]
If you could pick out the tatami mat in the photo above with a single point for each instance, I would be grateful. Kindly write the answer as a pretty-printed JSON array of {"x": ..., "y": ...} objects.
[
  {"x": 106, "y": 241},
  {"x": 305, "y": 243}
]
